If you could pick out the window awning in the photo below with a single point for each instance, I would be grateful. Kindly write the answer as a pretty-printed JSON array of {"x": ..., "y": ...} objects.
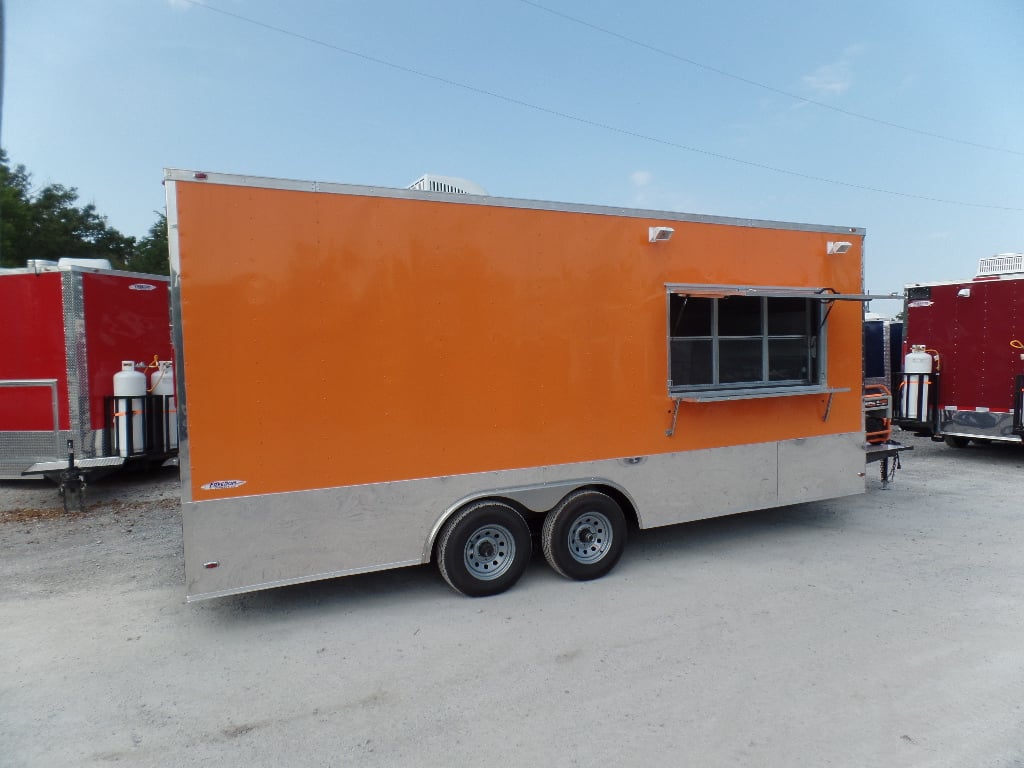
[{"x": 780, "y": 292}]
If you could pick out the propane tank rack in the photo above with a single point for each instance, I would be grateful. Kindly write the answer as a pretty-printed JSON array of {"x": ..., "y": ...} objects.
[
  {"x": 140, "y": 431},
  {"x": 140, "y": 427}
]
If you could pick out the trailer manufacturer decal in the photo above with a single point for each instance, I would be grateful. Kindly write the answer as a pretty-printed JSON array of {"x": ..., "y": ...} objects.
[
  {"x": 220, "y": 485},
  {"x": 918, "y": 304},
  {"x": 141, "y": 287}
]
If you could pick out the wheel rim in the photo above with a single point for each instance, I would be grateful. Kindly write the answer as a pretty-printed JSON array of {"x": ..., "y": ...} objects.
[
  {"x": 590, "y": 537},
  {"x": 490, "y": 552}
]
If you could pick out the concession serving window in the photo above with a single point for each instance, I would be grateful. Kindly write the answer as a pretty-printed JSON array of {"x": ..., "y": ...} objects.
[{"x": 733, "y": 342}]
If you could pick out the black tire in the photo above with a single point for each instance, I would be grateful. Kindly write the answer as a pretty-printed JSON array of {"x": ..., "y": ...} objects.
[
  {"x": 584, "y": 536},
  {"x": 484, "y": 549},
  {"x": 954, "y": 441}
]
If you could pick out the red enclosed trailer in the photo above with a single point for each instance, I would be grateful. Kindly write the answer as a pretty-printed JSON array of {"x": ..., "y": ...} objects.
[
  {"x": 65, "y": 332},
  {"x": 964, "y": 369}
]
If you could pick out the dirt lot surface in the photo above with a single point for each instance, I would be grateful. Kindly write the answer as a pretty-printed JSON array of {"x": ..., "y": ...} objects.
[{"x": 879, "y": 630}]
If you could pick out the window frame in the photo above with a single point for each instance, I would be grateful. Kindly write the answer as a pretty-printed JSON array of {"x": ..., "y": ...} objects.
[{"x": 817, "y": 311}]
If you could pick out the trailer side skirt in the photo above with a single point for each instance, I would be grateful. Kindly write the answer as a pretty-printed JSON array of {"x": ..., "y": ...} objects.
[
  {"x": 305, "y": 536},
  {"x": 978, "y": 424}
]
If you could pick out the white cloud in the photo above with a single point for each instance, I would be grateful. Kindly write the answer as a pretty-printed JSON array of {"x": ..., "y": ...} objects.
[
  {"x": 835, "y": 77},
  {"x": 641, "y": 178}
]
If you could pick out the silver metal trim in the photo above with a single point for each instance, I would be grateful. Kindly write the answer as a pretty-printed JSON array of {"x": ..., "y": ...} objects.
[
  {"x": 715, "y": 392},
  {"x": 182, "y": 175},
  {"x": 178, "y": 341},
  {"x": 984, "y": 437},
  {"x": 84, "y": 270},
  {"x": 299, "y": 580},
  {"x": 778, "y": 292},
  {"x": 978, "y": 425},
  {"x": 51, "y": 466},
  {"x": 289, "y": 538},
  {"x": 716, "y": 395},
  {"x": 965, "y": 283},
  {"x": 76, "y": 359},
  {"x": 23, "y": 447},
  {"x": 52, "y": 384}
]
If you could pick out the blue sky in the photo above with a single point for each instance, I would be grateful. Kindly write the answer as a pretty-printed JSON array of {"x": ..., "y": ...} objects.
[{"x": 602, "y": 102}]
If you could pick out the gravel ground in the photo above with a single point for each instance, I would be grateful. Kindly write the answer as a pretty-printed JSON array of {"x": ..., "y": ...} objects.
[{"x": 885, "y": 629}]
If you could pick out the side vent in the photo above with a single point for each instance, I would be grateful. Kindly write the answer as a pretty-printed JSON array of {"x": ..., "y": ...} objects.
[{"x": 430, "y": 182}]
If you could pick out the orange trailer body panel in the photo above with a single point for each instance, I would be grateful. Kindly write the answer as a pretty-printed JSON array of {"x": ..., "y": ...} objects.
[
  {"x": 339, "y": 337},
  {"x": 361, "y": 339}
]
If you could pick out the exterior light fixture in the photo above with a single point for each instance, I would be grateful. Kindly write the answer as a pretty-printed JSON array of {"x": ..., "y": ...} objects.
[
  {"x": 838, "y": 247},
  {"x": 659, "y": 234}
]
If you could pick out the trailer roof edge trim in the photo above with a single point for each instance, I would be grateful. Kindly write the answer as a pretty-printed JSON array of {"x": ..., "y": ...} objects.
[
  {"x": 203, "y": 177},
  {"x": 778, "y": 292},
  {"x": 976, "y": 280},
  {"x": 84, "y": 271}
]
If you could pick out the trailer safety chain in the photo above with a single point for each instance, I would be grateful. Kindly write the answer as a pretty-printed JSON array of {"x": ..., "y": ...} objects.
[{"x": 888, "y": 475}]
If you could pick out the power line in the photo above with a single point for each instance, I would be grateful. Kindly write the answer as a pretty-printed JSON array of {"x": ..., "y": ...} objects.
[
  {"x": 584, "y": 120},
  {"x": 764, "y": 86}
]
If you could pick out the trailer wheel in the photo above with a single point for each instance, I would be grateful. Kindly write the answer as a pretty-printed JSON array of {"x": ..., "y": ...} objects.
[
  {"x": 954, "y": 441},
  {"x": 484, "y": 549},
  {"x": 584, "y": 536}
]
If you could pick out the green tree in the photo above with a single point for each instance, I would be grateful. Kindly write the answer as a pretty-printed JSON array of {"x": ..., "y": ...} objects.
[
  {"x": 151, "y": 254},
  {"x": 48, "y": 224},
  {"x": 15, "y": 211}
]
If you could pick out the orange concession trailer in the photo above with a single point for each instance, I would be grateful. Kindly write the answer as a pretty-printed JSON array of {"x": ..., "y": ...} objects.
[{"x": 372, "y": 378}]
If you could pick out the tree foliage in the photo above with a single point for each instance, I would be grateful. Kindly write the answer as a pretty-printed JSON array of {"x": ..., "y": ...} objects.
[
  {"x": 151, "y": 254},
  {"x": 48, "y": 223}
]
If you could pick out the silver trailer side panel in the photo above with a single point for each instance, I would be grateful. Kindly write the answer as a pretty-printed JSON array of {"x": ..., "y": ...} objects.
[{"x": 310, "y": 535}]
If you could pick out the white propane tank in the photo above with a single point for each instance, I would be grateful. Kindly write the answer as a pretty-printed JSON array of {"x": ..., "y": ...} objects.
[
  {"x": 161, "y": 382},
  {"x": 129, "y": 391},
  {"x": 917, "y": 369}
]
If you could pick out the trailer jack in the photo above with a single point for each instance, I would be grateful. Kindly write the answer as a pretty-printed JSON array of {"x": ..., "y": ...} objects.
[
  {"x": 72, "y": 477},
  {"x": 887, "y": 454},
  {"x": 71, "y": 484}
]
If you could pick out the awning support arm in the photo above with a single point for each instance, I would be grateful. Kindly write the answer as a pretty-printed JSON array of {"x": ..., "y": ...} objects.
[
  {"x": 675, "y": 415},
  {"x": 828, "y": 406}
]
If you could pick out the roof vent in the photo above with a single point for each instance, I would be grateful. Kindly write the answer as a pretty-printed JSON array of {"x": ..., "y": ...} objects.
[
  {"x": 430, "y": 182},
  {"x": 66, "y": 262},
  {"x": 39, "y": 264},
  {"x": 1001, "y": 264}
]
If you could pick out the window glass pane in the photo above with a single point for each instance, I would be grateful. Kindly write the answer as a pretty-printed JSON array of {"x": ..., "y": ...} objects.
[
  {"x": 691, "y": 362},
  {"x": 788, "y": 316},
  {"x": 787, "y": 360},
  {"x": 689, "y": 316},
  {"x": 723, "y": 343},
  {"x": 739, "y": 360},
  {"x": 739, "y": 316}
]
